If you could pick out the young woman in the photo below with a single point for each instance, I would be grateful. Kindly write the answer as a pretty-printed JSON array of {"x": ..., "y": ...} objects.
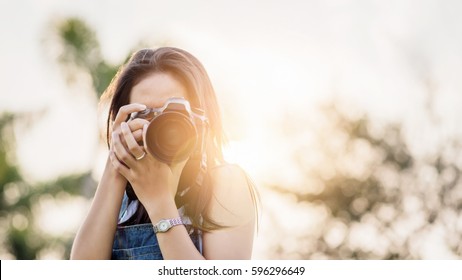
[{"x": 154, "y": 202}]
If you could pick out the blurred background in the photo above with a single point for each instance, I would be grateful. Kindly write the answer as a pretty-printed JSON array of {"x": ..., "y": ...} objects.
[{"x": 345, "y": 113}]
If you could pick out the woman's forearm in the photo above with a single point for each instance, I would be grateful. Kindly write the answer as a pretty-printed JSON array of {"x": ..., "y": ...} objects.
[
  {"x": 95, "y": 237},
  {"x": 176, "y": 242}
]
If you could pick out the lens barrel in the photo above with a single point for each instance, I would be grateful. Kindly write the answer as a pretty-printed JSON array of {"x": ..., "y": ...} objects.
[{"x": 171, "y": 137}]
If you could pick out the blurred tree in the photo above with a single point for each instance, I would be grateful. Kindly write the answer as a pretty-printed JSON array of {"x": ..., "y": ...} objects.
[
  {"x": 378, "y": 200},
  {"x": 77, "y": 50},
  {"x": 21, "y": 236}
]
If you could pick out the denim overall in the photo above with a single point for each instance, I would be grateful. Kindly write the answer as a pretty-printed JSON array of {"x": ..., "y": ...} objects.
[{"x": 139, "y": 242}]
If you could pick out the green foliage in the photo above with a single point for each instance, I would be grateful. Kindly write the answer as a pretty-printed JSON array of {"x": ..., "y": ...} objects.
[
  {"x": 81, "y": 52},
  {"x": 80, "y": 43},
  {"x": 8, "y": 173}
]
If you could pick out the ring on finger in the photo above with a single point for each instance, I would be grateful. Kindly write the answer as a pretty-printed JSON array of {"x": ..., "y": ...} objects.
[{"x": 141, "y": 157}]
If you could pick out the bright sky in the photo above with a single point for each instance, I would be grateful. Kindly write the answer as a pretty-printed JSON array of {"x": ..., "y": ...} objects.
[{"x": 264, "y": 58}]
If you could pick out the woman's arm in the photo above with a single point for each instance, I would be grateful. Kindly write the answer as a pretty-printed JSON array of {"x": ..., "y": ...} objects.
[
  {"x": 96, "y": 235},
  {"x": 233, "y": 205}
]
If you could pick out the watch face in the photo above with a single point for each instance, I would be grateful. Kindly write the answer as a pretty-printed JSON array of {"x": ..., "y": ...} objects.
[{"x": 164, "y": 225}]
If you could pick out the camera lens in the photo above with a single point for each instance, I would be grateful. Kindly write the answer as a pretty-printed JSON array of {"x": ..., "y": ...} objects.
[{"x": 171, "y": 137}]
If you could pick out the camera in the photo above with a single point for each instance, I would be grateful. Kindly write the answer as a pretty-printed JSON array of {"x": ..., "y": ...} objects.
[{"x": 175, "y": 132}]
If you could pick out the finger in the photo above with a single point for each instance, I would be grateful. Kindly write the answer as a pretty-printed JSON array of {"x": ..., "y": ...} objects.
[
  {"x": 119, "y": 166},
  {"x": 136, "y": 127},
  {"x": 138, "y": 135},
  {"x": 126, "y": 110},
  {"x": 120, "y": 151},
  {"x": 145, "y": 128},
  {"x": 132, "y": 145},
  {"x": 136, "y": 124}
]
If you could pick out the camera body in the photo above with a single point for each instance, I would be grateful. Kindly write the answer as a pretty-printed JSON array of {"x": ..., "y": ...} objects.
[{"x": 175, "y": 132}]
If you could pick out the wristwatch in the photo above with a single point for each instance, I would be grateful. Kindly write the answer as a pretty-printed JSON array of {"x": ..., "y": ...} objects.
[{"x": 165, "y": 224}]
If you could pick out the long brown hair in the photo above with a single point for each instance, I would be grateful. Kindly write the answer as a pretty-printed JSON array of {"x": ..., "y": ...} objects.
[{"x": 191, "y": 73}]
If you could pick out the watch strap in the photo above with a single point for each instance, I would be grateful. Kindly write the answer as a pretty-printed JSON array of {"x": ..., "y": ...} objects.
[
  {"x": 160, "y": 226},
  {"x": 176, "y": 221}
]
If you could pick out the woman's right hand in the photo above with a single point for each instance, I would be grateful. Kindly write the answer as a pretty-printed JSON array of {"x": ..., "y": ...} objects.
[{"x": 136, "y": 126}]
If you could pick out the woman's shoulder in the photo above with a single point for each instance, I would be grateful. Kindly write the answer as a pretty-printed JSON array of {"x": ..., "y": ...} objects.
[
  {"x": 233, "y": 198},
  {"x": 230, "y": 178},
  {"x": 227, "y": 169}
]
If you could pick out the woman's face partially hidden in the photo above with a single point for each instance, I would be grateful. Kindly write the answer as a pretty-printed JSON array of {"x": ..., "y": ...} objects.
[{"x": 154, "y": 90}]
